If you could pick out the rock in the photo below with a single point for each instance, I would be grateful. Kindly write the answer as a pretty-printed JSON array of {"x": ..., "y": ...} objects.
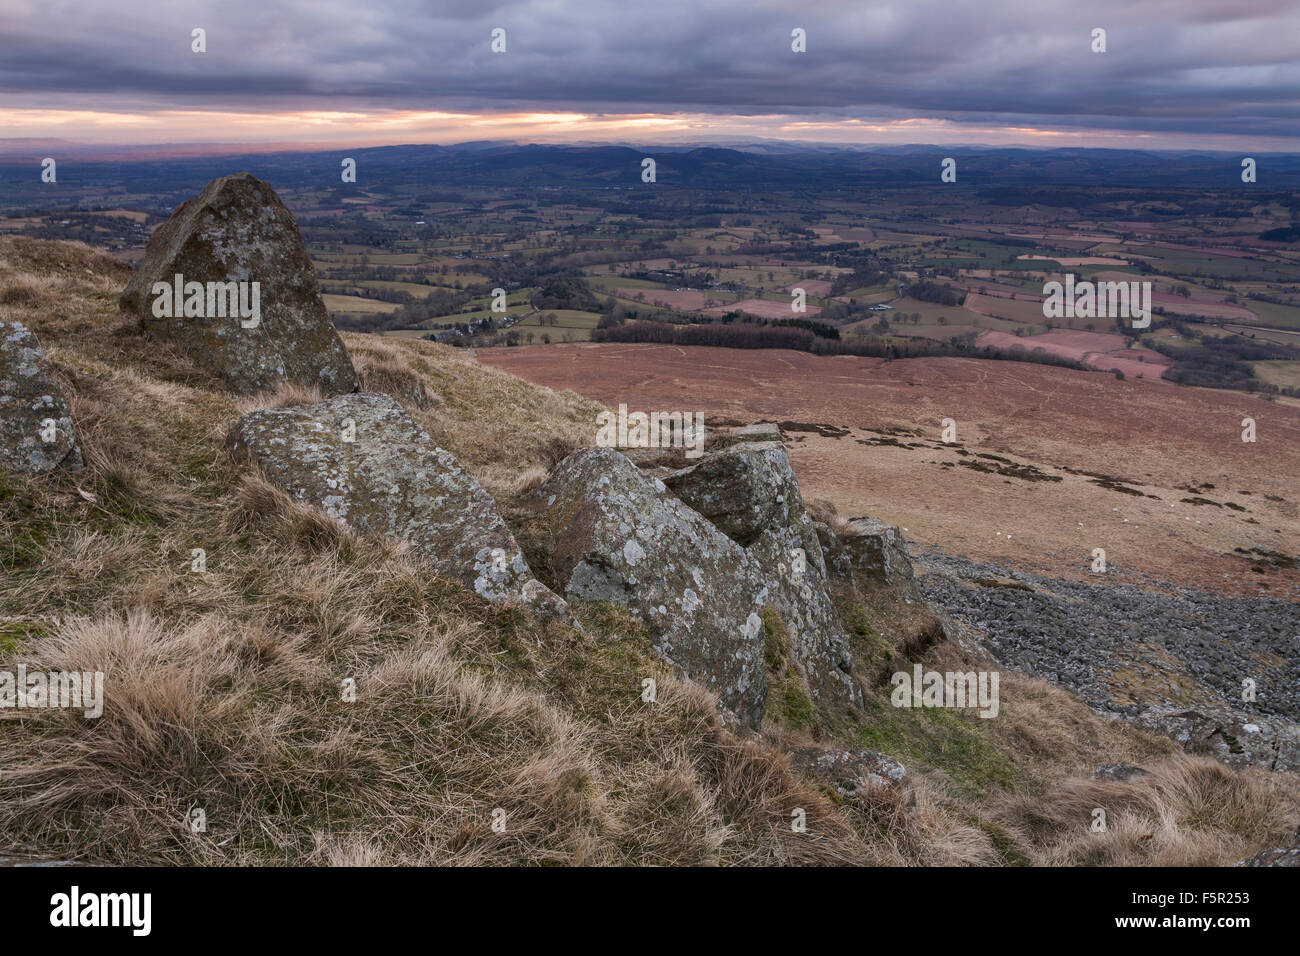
[
  {"x": 14, "y": 861},
  {"x": 1269, "y": 743},
  {"x": 870, "y": 549},
  {"x": 391, "y": 479},
  {"x": 238, "y": 230},
  {"x": 32, "y": 409},
  {"x": 1280, "y": 856},
  {"x": 750, "y": 493},
  {"x": 1118, "y": 771},
  {"x": 619, "y": 536},
  {"x": 762, "y": 431},
  {"x": 744, "y": 489},
  {"x": 855, "y": 773}
]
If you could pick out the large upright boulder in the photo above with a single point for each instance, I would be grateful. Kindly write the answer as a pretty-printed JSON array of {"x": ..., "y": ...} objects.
[
  {"x": 750, "y": 493},
  {"x": 364, "y": 461},
  {"x": 36, "y": 433},
  {"x": 619, "y": 536},
  {"x": 238, "y": 231}
]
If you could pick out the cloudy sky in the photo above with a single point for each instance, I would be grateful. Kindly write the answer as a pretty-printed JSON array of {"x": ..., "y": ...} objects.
[{"x": 1213, "y": 74}]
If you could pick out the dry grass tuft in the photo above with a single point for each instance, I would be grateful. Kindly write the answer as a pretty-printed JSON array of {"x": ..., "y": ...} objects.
[
  {"x": 383, "y": 367},
  {"x": 1187, "y": 811},
  {"x": 248, "y": 726},
  {"x": 285, "y": 395},
  {"x": 823, "y": 510}
]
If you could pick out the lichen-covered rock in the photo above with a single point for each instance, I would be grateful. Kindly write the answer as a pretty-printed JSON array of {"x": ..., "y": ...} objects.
[
  {"x": 744, "y": 490},
  {"x": 238, "y": 231},
  {"x": 1272, "y": 743},
  {"x": 619, "y": 536},
  {"x": 1279, "y": 856},
  {"x": 855, "y": 773},
  {"x": 36, "y": 432},
  {"x": 749, "y": 491},
  {"x": 364, "y": 461},
  {"x": 868, "y": 550}
]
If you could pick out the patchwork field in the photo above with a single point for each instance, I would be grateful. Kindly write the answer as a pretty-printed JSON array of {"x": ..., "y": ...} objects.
[{"x": 1049, "y": 463}]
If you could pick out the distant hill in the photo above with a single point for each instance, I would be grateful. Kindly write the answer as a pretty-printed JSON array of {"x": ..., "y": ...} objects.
[{"x": 760, "y": 166}]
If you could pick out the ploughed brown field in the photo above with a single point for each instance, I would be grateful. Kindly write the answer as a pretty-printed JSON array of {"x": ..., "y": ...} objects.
[
  {"x": 765, "y": 309},
  {"x": 1048, "y": 464},
  {"x": 1107, "y": 351}
]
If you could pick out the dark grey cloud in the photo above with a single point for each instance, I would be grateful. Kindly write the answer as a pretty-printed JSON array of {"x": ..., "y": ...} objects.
[{"x": 1201, "y": 66}]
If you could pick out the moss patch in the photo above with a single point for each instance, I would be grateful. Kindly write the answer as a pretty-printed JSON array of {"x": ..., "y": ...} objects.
[
  {"x": 935, "y": 738},
  {"x": 776, "y": 642}
]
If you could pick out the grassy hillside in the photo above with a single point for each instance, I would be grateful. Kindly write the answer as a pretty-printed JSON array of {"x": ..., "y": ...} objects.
[{"x": 224, "y": 687}]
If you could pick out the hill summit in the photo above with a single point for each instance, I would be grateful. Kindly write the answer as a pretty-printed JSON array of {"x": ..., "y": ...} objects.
[{"x": 425, "y": 621}]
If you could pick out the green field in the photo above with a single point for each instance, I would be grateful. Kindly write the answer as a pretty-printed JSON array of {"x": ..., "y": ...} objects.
[
  {"x": 1283, "y": 316},
  {"x": 1279, "y": 373},
  {"x": 356, "y": 304},
  {"x": 414, "y": 288},
  {"x": 568, "y": 322},
  {"x": 1182, "y": 261},
  {"x": 975, "y": 254},
  {"x": 608, "y": 283},
  {"x": 958, "y": 320},
  {"x": 1167, "y": 336},
  {"x": 461, "y": 318},
  {"x": 1022, "y": 311}
]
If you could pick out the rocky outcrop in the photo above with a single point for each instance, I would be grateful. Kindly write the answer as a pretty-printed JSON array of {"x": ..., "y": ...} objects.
[
  {"x": 36, "y": 431},
  {"x": 235, "y": 234},
  {"x": 619, "y": 536},
  {"x": 867, "y": 551},
  {"x": 855, "y": 774},
  {"x": 364, "y": 461},
  {"x": 750, "y": 493}
]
